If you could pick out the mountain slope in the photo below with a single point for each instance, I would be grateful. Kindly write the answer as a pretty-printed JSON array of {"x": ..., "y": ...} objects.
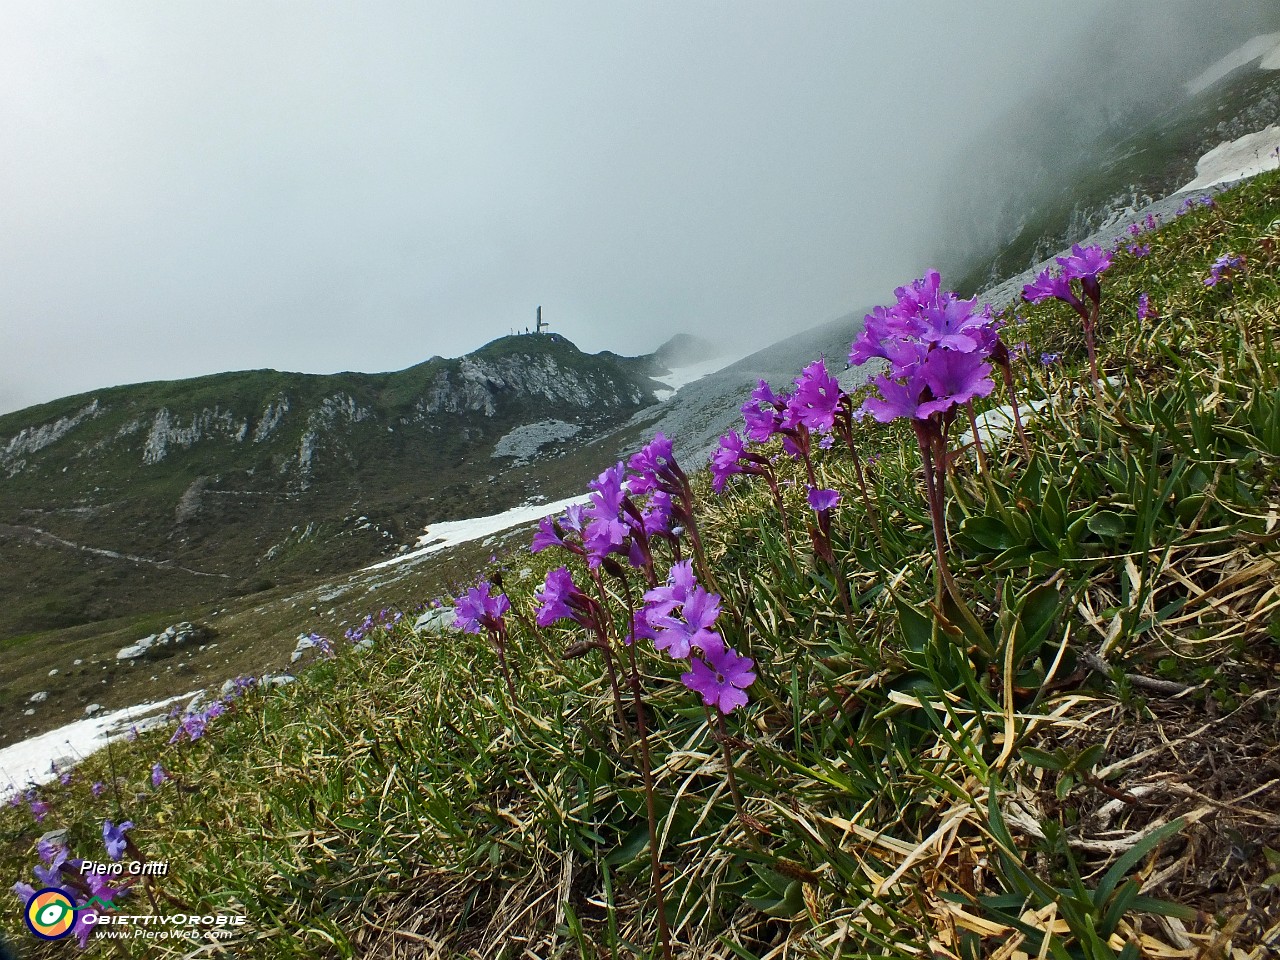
[{"x": 149, "y": 496}]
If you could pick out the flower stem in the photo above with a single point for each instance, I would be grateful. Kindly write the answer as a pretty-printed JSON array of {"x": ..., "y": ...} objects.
[
  {"x": 646, "y": 767},
  {"x": 1013, "y": 401}
]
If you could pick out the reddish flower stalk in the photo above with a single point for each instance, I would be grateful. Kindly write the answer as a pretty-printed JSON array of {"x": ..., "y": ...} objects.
[{"x": 646, "y": 768}]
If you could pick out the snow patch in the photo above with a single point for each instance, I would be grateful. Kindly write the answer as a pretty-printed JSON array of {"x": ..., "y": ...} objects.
[
  {"x": 1248, "y": 156},
  {"x": 29, "y": 763},
  {"x": 451, "y": 533},
  {"x": 524, "y": 442},
  {"x": 681, "y": 376},
  {"x": 1265, "y": 47}
]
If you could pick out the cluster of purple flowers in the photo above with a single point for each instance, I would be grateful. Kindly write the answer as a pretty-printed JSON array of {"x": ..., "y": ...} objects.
[
  {"x": 937, "y": 347},
  {"x": 1149, "y": 223},
  {"x": 616, "y": 521},
  {"x": 679, "y": 617},
  {"x": 1083, "y": 265},
  {"x": 57, "y": 870},
  {"x": 1223, "y": 268},
  {"x": 384, "y": 618},
  {"x": 816, "y": 406},
  {"x": 481, "y": 609},
  {"x": 1191, "y": 203},
  {"x": 192, "y": 724},
  {"x": 39, "y": 808},
  {"x": 1139, "y": 250}
]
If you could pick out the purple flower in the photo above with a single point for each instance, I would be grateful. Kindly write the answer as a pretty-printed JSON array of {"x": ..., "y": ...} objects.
[
  {"x": 606, "y": 532},
  {"x": 481, "y": 608},
  {"x": 957, "y": 325},
  {"x": 661, "y": 601},
  {"x": 1048, "y": 285},
  {"x": 815, "y": 400},
  {"x": 955, "y": 379},
  {"x": 559, "y": 598},
  {"x": 39, "y": 810},
  {"x": 726, "y": 461},
  {"x": 158, "y": 774},
  {"x": 24, "y": 892},
  {"x": 1222, "y": 268},
  {"x": 641, "y": 628},
  {"x": 113, "y": 837},
  {"x": 549, "y": 535},
  {"x": 1192, "y": 202},
  {"x": 763, "y": 413},
  {"x": 98, "y": 788},
  {"x": 1085, "y": 263},
  {"x": 676, "y": 637},
  {"x": 656, "y": 515},
  {"x": 823, "y": 500},
  {"x": 1139, "y": 249},
  {"x": 1048, "y": 359},
  {"x": 654, "y": 466},
  {"x": 49, "y": 851},
  {"x": 721, "y": 677},
  {"x": 1144, "y": 306},
  {"x": 897, "y": 399}
]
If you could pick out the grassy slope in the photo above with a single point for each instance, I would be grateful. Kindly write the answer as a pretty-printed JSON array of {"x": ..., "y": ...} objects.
[{"x": 915, "y": 794}]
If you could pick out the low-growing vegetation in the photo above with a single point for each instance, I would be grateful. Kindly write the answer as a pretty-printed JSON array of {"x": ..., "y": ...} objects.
[{"x": 981, "y": 664}]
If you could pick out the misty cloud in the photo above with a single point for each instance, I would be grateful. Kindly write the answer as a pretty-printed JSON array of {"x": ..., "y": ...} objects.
[{"x": 192, "y": 188}]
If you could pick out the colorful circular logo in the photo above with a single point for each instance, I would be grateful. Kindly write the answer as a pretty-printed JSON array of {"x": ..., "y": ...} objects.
[{"x": 51, "y": 914}]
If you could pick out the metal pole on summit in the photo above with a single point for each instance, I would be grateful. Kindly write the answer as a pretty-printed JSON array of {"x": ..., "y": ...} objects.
[{"x": 540, "y": 326}]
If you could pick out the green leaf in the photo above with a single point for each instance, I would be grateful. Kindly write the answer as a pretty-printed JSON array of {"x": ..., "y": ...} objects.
[
  {"x": 1134, "y": 857},
  {"x": 1109, "y": 524},
  {"x": 990, "y": 532},
  {"x": 1038, "y": 758},
  {"x": 632, "y": 846}
]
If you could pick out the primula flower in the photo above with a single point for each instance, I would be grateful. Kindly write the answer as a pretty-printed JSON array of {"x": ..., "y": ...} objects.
[
  {"x": 722, "y": 678},
  {"x": 823, "y": 500},
  {"x": 653, "y": 466},
  {"x": 559, "y": 598},
  {"x": 39, "y": 810},
  {"x": 158, "y": 774},
  {"x": 954, "y": 379},
  {"x": 1144, "y": 306},
  {"x": 897, "y": 399},
  {"x": 480, "y": 609},
  {"x": 661, "y": 601},
  {"x": 1222, "y": 268},
  {"x": 1084, "y": 263},
  {"x": 53, "y": 856},
  {"x": 98, "y": 788},
  {"x": 676, "y": 637},
  {"x": 815, "y": 400},
  {"x": 605, "y": 532},
  {"x": 1049, "y": 285},
  {"x": 763, "y": 413},
  {"x": 1139, "y": 249},
  {"x": 113, "y": 837},
  {"x": 1048, "y": 359},
  {"x": 726, "y": 461}
]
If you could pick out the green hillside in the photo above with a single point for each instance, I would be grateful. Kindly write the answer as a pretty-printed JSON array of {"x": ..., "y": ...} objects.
[
  {"x": 1072, "y": 752},
  {"x": 225, "y": 485}
]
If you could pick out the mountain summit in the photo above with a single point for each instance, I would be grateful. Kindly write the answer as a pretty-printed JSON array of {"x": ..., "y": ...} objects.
[{"x": 147, "y": 496}]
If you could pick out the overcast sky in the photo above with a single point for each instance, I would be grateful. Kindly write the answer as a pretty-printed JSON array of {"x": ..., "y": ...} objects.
[{"x": 193, "y": 187}]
